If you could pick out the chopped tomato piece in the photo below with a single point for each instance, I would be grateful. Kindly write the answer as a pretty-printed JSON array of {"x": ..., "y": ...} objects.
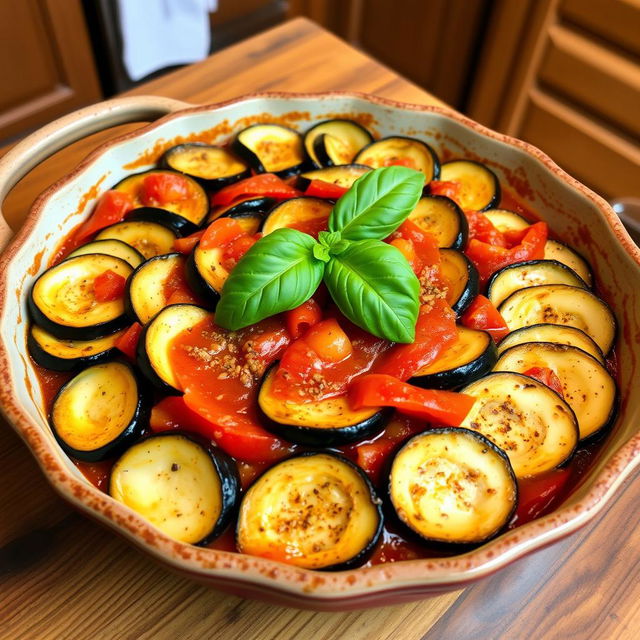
[
  {"x": 297, "y": 362},
  {"x": 173, "y": 413},
  {"x": 186, "y": 245},
  {"x": 537, "y": 495},
  {"x": 372, "y": 457},
  {"x": 424, "y": 243},
  {"x": 234, "y": 251},
  {"x": 481, "y": 228},
  {"x": 327, "y": 190},
  {"x": 162, "y": 188},
  {"x": 300, "y": 319},
  {"x": 483, "y": 315},
  {"x": 407, "y": 249},
  {"x": 221, "y": 232},
  {"x": 109, "y": 286},
  {"x": 263, "y": 184},
  {"x": 111, "y": 208},
  {"x": 546, "y": 376},
  {"x": 329, "y": 341},
  {"x": 447, "y": 188},
  {"x": 443, "y": 407},
  {"x": 128, "y": 341}
]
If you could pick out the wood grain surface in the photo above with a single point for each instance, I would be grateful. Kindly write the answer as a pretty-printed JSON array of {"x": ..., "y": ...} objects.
[{"x": 63, "y": 576}]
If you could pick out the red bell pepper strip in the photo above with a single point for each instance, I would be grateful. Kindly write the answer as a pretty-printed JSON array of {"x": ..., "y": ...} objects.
[
  {"x": 482, "y": 315},
  {"x": 221, "y": 232},
  {"x": 322, "y": 189},
  {"x": 546, "y": 376},
  {"x": 128, "y": 341},
  {"x": 111, "y": 208},
  {"x": 263, "y": 184},
  {"x": 234, "y": 251},
  {"x": 300, "y": 319},
  {"x": 109, "y": 286},
  {"x": 447, "y": 188},
  {"x": 158, "y": 189},
  {"x": 425, "y": 244},
  {"x": 481, "y": 228},
  {"x": 186, "y": 245},
  {"x": 443, "y": 407}
]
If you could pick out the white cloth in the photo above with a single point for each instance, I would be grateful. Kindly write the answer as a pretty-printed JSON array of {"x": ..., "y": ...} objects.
[{"x": 163, "y": 33}]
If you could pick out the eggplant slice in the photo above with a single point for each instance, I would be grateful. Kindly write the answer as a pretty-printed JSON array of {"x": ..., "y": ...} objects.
[
  {"x": 179, "y": 225},
  {"x": 184, "y": 487},
  {"x": 270, "y": 148},
  {"x": 531, "y": 423},
  {"x": 321, "y": 423},
  {"x": 148, "y": 238},
  {"x": 453, "y": 486},
  {"x": 479, "y": 186},
  {"x": 111, "y": 247},
  {"x": 62, "y": 300},
  {"x": 587, "y": 386},
  {"x": 443, "y": 218},
  {"x": 343, "y": 175},
  {"x": 564, "y": 305},
  {"x": 554, "y": 250},
  {"x": 100, "y": 412},
  {"x": 254, "y": 206},
  {"x": 335, "y": 142},
  {"x": 316, "y": 510},
  {"x": 461, "y": 277},
  {"x": 505, "y": 220},
  {"x": 306, "y": 214},
  {"x": 408, "y": 152}
]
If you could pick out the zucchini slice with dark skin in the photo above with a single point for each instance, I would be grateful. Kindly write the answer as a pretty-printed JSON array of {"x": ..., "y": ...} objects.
[
  {"x": 479, "y": 186},
  {"x": 472, "y": 356},
  {"x": 554, "y": 250},
  {"x": 408, "y": 152},
  {"x": 270, "y": 148},
  {"x": 531, "y": 273},
  {"x": 564, "y": 305},
  {"x": 462, "y": 278},
  {"x": 180, "y": 483},
  {"x": 154, "y": 345},
  {"x": 179, "y": 225},
  {"x": 305, "y": 214},
  {"x": 144, "y": 295},
  {"x": 213, "y": 167},
  {"x": 69, "y": 355},
  {"x": 191, "y": 202},
  {"x": 111, "y": 247},
  {"x": 443, "y": 218},
  {"x": 322, "y": 423},
  {"x": 317, "y": 510},
  {"x": 100, "y": 412},
  {"x": 259, "y": 205},
  {"x": 555, "y": 333},
  {"x": 453, "y": 486},
  {"x": 587, "y": 386},
  {"x": 62, "y": 300},
  {"x": 505, "y": 220},
  {"x": 148, "y": 238},
  {"x": 335, "y": 142},
  {"x": 343, "y": 175},
  {"x": 531, "y": 423}
]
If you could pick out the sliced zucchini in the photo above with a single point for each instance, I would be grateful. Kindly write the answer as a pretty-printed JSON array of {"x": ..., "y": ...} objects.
[
  {"x": 587, "y": 386},
  {"x": 443, "y": 218},
  {"x": 184, "y": 487},
  {"x": 145, "y": 294},
  {"x": 179, "y": 225},
  {"x": 214, "y": 167},
  {"x": 111, "y": 247},
  {"x": 149, "y": 238},
  {"x": 305, "y": 214},
  {"x": 505, "y": 220},
  {"x": 561, "y": 304},
  {"x": 461, "y": 277},
  {"x": 316, "y": 510},
  {"x": 343, "y": 176},
  {"x": 260, "y": 205},
  {"x": 191, "y": 202},
  {"x": 453, "y": 486},
  {"x": 154, "y": 346},
  {"x": 472, "y": 355},
  {"x": 270, "y": 148},
  {"x": 335, "y": 142},
  {"x": 529, "y": 274},
  {"x": 68, "y": 355},
  {"x": 408, "y": 152},
  {"x": 62, "y": 300},
  {"x": 479, "y": 186},
  {"x": 531, "y": 423},
  {"x": 555, "y": 333},
  {"x": 323, "y": 423},
  {"x": 100, "y": 412},
  {"x": 554, "y": 250}
]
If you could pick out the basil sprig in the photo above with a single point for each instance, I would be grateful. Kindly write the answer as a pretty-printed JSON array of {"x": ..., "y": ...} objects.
[{"x": 370, "y": 280}]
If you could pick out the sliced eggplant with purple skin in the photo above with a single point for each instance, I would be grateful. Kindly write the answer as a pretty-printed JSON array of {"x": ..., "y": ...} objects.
[
  {"x": 259, "y": 205},
  {"x": 322, "y": 423},
  {"x": 111, "y": 247},
  {"x": 342, "y": 176},
  {"x": 453, "y": 486},
  {"x": 554, "y": 250},
  {"x": 408, "y": 152},
  {"x": 305, "y": 213},
  {"x": 335, "y": 142},
  {"x": 148, "y": 238},
  {"x": 212, "y": 166},
  {"x": 270, "y": 148},
  {"x": 505, "y": 220},
  {"x": 443, "y": 218},
  {"x": 316, "y": 510},
  {"x": 180, "y": 483},
  {"x": 479, "y": 186},
  {"x": 179, "y": 225},
  {"x": 100, "y": 412},
  {"x": 63, "y": 302},
  {"x": 462, "y": 278}
]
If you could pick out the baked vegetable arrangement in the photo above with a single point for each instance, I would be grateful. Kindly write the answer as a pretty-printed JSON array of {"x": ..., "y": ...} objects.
[{"x": 323, "y": 349}]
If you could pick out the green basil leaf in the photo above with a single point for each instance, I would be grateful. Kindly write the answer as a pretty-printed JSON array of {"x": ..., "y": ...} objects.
[
  {"x": 278, "y": 273},
  {"x": 374, "y": 286},
  {"x": 377, "y": 203}
]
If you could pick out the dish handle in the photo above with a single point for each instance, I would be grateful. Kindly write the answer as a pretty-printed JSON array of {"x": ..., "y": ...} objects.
[{"x": 56, "y": 135}]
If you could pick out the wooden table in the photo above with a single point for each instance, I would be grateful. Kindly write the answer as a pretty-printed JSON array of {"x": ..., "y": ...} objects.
[{"x": 62, "y": 576}]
